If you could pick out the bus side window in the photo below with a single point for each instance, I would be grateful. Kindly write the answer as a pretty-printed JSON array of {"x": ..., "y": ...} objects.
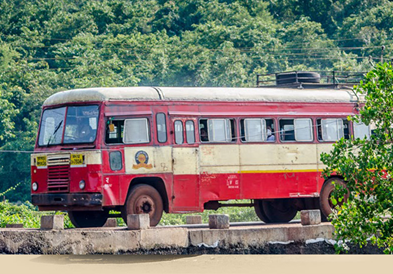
[
  {"x": 178, "y": 132},
  {"x": 203, "y": 133},
  {"x": 361, "y": 131},
  {"x": 136, "y": 131},
  {"x": 190, "y": 132},
  {"x": 114, "y": 136},
  {"x": 346, "y": 128},
  {"x": 303, "y": 130},
  {"x": 287, "y": 130},
  {"x": 219, "y": 130},
  {"x": 255, "y": 130},
  {"x": 161, "y": 127},
  {"x": 332, "y": 129}
]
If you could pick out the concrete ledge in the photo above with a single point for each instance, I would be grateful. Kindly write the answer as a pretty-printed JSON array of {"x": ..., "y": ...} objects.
[{"x": 267, "y": 239}]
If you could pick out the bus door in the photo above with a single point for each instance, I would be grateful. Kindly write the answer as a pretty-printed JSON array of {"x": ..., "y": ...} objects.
[{"x": 185, "y": 164}]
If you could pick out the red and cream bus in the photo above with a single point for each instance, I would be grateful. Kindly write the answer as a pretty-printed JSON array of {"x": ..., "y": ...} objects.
[{"x": 179, "y": 150}]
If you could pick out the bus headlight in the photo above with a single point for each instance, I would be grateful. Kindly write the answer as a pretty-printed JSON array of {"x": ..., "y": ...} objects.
[
  {"x": 34, "y": 186},
  {"x": 82, "y": 184}
]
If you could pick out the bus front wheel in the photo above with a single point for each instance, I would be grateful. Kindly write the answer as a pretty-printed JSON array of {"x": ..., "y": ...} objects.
[
  {"x": 144, "y": 199},
  {"x": 82, "y": 219}
]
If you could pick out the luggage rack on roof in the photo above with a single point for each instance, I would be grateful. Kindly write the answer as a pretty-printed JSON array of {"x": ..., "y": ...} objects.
[{"x": 310, "y": 79}]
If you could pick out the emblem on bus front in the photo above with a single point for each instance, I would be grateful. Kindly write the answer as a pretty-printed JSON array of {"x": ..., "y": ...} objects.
[{"x": 142, "y": 160}]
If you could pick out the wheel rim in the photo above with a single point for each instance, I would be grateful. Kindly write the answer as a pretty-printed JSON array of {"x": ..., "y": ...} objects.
[{"x": 144, "y": 205}]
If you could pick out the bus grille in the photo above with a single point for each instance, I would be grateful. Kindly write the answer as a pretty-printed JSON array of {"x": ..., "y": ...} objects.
[{"x": 59, "y": 173}]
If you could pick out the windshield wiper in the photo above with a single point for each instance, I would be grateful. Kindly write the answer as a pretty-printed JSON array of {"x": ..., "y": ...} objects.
[{"x": 54, "y": 132}]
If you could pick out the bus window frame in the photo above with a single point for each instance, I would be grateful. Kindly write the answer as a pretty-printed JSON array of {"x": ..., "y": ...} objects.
[
  {"x": 149, "y": 124},
  {"x": 233, "y": 129}
]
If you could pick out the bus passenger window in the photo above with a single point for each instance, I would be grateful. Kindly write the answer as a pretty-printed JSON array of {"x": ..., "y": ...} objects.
[
  {"x": 178, "y": 132},
  {"x": 219, "y": 130},
  {"x": 116, "y": 135},
  {"x": 287, "y": 130},
  {"x": 161, "y": 127},
  {"x": 303, "y": 130},
  {"x": 203, "y": 134},
  {"x": 270, "y": 130},
  {"x": 299, "y": 130},
  {"x": 332, "y": 129},
  {"x": 361, "y": 131},
  {"x": 346, "y": 128},
  {"x": 255, "y": 130},
  {"x": 190, "y": 132},
  {"x": 136, "y": 131}
]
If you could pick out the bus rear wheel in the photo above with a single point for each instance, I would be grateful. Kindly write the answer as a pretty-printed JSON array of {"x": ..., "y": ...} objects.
[
  {"x": 258, "y": 207},
  {"x": 82, "y": 219},
  {"x": 279, "y": 210},
  {"x": 325, "y": 198},
  {"x": 144, "y": 199}
]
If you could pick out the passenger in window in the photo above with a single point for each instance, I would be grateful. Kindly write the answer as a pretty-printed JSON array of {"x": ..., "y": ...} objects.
[
  {"x": 204, "y": 137},
  {"x": 319, "y": 133},
  {"x": 270, "y": 135}
]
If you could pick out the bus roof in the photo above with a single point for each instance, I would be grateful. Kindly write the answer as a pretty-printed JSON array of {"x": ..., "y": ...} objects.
[{"x": 203, "y": 94}]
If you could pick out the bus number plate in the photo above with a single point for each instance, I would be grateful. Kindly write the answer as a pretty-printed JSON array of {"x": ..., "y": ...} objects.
[
  {"x": 41, "y": 161},
  {"x": 76, "y": 159}
]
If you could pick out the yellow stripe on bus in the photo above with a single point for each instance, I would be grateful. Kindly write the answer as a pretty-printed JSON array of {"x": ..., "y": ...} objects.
[{"x": 278, "y": 171}]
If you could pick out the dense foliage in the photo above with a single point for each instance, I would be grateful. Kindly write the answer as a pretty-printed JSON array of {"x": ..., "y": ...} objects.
[
  {"x": 367, "y": 168},
  {"x": 47, "y": 46}
]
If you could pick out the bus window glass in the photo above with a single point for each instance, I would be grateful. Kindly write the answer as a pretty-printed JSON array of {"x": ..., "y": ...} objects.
[
  {"x": 303, "y": 130},
  {"x": 52, "y": 125},
  {"x": 190, "y": 132},
  {"x": 115, "y": 160},
  {"x": 332, "y": 129},
  {"x": 346, "y": 129},
  {"x": 178, "y": 132},
  {"x": 287, "y": 131},
  {"x": 255, "y": 130},
  {"x": 203, "y": 134},
  {"x": 81, "y": 124},
  {"x": 136, "y": 131},
  {"x": 219, "y": 130},
  {"x": 115, "y": 136},
  {"x": 161, "y": 127},
  {"x": 361, "y": 131}
]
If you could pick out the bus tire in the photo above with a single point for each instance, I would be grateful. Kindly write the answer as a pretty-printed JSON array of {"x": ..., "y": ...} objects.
[
  {"x": 82, "y": 219},
  {"x": 325, "y": 196},
  {"x": 279, "y": 210},
  {"x": 144, "y": 199},
  {"x": 258, "y": 207}
]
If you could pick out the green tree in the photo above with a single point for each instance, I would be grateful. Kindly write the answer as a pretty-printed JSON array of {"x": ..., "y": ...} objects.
[{"x": 366, "y": 166}]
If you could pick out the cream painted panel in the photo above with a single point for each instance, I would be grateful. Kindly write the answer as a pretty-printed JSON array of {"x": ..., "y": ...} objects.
[
  {"x": 219, "y": 155},
  {"x": 185, "y": 160},
  {"x": 323, "y": 148},
  {"x": 91, "y": 157},
  {"x": 278, "y": 154},
  {"x": 279, "y": 168},
  {"x": 159, "y": 160}
]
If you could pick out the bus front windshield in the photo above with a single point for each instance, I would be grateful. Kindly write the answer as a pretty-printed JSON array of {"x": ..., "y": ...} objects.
[{"x": 68, "y": 125}]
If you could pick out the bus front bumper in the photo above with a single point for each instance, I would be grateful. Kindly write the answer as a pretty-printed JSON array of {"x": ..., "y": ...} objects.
[{"x": 68, "y": 201}]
